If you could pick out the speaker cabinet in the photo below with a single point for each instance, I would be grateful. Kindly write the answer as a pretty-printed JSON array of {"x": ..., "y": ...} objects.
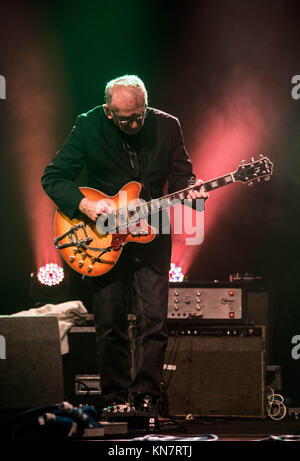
[
  {"x": 216, "y": 371},
  {"x": 31, "y": 363}
]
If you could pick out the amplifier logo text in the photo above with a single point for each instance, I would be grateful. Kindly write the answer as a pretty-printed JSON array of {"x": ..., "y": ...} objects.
[
  {"x": 2, "y": 347},
  {"x": 295, "y": 352},
  {"x": 2, "y": 87}
]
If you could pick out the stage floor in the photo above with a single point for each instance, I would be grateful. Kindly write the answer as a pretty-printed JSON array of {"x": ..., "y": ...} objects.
[
  {"x": 238, "y": 429},
  {"x": 175, "y": 429},
  {"x": 215, "y": 430}
]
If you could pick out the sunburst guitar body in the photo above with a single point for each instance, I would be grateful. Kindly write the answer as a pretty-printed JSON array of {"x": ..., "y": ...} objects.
[{"x": 92, "y": 250}]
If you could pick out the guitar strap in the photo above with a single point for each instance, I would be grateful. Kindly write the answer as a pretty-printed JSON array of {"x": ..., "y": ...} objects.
[
  {"x": 145, "y": 179},
  {"x": 139, "y": 168}
]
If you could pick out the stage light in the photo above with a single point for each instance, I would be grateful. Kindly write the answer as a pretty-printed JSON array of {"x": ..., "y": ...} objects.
[
  {"x": 48, "y": 284},
  {"x": 50, "y": 274},
  {"x": 175, "y": 273}
]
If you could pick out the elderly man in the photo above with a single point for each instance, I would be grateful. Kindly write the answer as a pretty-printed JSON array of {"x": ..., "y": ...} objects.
[{"x": 125, "y": 140}]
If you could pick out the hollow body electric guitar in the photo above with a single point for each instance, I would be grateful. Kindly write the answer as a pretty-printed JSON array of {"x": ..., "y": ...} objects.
[{"x": 93, "y": 248}]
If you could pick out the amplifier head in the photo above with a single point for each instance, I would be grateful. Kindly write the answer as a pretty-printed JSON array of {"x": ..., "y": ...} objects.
[{"x": 199, "y": 302}]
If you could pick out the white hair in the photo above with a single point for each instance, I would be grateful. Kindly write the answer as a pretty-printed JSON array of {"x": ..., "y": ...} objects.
[{"x": 126, "y": 80}]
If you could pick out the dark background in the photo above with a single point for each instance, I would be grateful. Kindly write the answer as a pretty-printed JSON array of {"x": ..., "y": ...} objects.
[{"x": 223, "y": 67}]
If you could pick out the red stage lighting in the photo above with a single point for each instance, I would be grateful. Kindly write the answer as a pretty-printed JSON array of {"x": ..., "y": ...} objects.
[
  {"x": 50, "y": 274},
  {"x": 175, "y": 273}
]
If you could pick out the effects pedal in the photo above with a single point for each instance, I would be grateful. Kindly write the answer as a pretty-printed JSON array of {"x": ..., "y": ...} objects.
[{"x": 137, "y": 419}]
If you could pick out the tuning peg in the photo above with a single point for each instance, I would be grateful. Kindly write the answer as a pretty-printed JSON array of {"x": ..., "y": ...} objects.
[
  {"x": 252, "y": 159},
  {"x": 267, "y": 178},
  {"x": 250, "y": 184},
  {"x": 261, "y": 155}
]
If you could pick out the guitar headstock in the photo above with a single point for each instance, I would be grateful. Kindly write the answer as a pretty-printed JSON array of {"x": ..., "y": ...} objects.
[{"x": 254, "y": 171}]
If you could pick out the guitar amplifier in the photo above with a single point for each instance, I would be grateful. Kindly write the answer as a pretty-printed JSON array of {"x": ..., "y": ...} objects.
[
  {"x": 207, "y": 301},
  {"x": 215, "y": 371},
  {"x": 217, "y": 303}
]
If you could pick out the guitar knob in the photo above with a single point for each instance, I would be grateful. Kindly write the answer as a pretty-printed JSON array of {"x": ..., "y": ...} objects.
[
  {"x": 80, "y": 263},
  {"x": 72, "y": 259}
]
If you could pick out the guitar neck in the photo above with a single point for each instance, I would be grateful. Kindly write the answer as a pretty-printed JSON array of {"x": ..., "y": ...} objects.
[
  {"x": 169, "y": 200},
  {"x": 246, "y": 173}
]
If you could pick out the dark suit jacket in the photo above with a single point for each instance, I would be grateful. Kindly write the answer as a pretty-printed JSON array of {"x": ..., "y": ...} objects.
[{"x": 95, "y": 141}]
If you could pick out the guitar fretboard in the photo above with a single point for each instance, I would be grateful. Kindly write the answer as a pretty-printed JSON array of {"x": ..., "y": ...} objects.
[{"x": 162, "y": 203}]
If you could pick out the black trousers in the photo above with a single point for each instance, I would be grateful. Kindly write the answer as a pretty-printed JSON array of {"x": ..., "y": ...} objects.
[{"x": 133, "y": 285}]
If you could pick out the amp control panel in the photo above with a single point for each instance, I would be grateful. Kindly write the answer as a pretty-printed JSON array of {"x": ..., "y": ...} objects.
[{"x": 208, "y": 303}]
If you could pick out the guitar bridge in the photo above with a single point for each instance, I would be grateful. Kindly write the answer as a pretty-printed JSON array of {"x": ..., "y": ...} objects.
[{"x": 75, "y": 241}]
